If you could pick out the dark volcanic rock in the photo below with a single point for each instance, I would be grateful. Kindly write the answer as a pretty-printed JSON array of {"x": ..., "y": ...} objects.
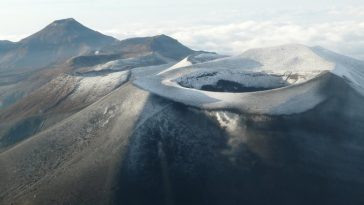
[{"x": 135, "y": 148}]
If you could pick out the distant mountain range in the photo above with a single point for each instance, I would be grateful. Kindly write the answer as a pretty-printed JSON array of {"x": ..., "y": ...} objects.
[
  {"x": 57, "y": 42},
  {"x": 136, "y": 47},
  {"x": 67, "y": 38},
  {"x": 68, "y": 46},
  {"x": 162, "y": 44}
]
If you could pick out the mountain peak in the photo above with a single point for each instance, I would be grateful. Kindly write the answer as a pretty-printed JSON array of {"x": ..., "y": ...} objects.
[
  {"x": 58, "y": 41},
  {"x": 170, "y": 47},
  {"x": 65, "y": 31},
  {"x": 65, "y": 22},
  {"x": 162, "y": 44},
  {"x": 65, "y": 26},
  {"x": 161, "y": 36}
]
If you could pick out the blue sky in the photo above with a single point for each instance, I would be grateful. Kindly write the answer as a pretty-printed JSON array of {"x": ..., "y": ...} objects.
[{"x": 226, "y": 26}]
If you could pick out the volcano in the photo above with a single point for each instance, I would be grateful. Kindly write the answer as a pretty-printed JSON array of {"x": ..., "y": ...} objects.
[{"x": 278, "y": 125}]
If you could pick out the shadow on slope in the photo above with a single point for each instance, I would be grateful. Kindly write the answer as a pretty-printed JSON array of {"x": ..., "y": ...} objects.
[
  {"x": 187, "y": 156},
  {"x": 53, "y": 102},
  {"x": 149, "y": 150}
]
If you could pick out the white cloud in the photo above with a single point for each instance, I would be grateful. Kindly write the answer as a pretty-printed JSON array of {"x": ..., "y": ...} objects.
[
  {"x": 13, "y": 38},
  {"x": 225, "y": 29},
  {"x": 347, "y": 11},
  {"x": 344, "y": 37}
]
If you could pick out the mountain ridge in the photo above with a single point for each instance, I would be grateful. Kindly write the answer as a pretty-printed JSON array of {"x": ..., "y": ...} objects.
[
  {"x": 56, "y": 42},
  {"x": 152, "y": 135},
  {"x": 138, "y": 47},
  {"x": 67, "y": 46},
  {"x": 162, "y": 43}
]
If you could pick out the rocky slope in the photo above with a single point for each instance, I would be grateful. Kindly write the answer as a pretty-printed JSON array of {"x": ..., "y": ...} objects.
[
  {"x": 57, "y": 42},
  {"x": 141, "y": 146},
  {"x": 66, "y": 46}
]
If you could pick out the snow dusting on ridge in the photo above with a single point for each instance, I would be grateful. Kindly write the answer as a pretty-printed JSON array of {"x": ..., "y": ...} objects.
[{"x": 295, "y": 73}]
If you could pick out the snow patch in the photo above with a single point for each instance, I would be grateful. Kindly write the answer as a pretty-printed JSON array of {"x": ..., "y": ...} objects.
[
  {"x": 229, "y": 122},
  {"x": 263, "y": 80},
  {"x": 129, "y": 63},
  {"x": 293, "y": 57},
  {"x": 348, "y": 68},
  {"x": 194, "y": 59},
  {"x": 91, "y": 87}
]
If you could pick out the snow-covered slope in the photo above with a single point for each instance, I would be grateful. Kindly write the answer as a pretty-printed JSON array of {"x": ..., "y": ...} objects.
[
  {"x": 292, "y": 57},
  {"x": 90, "y": 88},
  {"x": 131, "y": 146},
  {"x": 57, "y": 99},
  {"x": 198, "y": 57},
  {"x": 149, "y": 59},
  {"x": 293, "y": 76},
  {"x": 350, "y": 69}
]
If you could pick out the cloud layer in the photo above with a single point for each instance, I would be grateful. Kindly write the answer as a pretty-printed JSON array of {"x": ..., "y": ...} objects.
[
  {"x": 346, "y": 37},
  {"x": 221, "y": 27}
]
